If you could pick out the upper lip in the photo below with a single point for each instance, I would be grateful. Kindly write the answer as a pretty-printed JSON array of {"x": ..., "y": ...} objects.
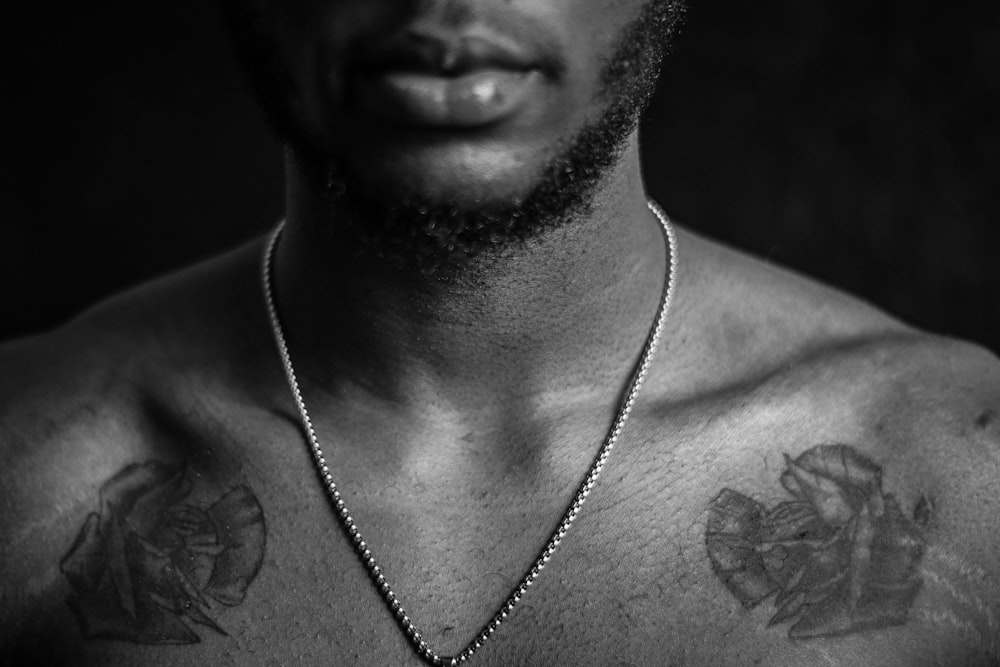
[{"x": 445, "y": 55}]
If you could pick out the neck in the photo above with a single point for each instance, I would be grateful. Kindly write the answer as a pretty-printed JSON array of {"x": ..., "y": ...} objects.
[{"x": 567, "y": 311}]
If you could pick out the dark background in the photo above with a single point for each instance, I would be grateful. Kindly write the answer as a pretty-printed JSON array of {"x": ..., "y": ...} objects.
[{"x": 855, "y": 141}]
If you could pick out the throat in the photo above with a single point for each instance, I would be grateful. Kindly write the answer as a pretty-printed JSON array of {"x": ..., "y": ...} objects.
[{"x": 567, "y": 311}]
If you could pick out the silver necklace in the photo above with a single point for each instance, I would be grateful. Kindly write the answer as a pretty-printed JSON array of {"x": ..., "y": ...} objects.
[{"x": 428, "y": 654}]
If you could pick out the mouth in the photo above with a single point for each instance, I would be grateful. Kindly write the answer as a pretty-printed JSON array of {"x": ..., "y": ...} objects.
[{"x": 463, "y": 83}]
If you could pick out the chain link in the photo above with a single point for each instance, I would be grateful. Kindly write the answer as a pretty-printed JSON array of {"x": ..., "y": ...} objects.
[{"x": 347, "y": 522}]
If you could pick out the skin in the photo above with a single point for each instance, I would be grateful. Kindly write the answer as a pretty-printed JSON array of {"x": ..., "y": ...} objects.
[{"x": 460, "y": 411}]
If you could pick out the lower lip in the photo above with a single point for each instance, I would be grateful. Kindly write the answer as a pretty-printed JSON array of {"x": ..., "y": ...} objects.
[{"x": 474, "y": 99}]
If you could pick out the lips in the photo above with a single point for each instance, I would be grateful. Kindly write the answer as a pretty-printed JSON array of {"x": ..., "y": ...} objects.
[
  {"x": 447, "y": 56},
  {"x": 462, "y": 83}
]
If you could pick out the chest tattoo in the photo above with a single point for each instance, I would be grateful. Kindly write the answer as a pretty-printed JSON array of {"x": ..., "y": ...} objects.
[
  {"x": 159, "y": 559},
  {"x": 839, "y": 557}
]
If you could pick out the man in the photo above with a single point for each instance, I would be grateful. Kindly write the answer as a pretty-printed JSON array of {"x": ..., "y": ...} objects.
[{"x": 462, "y": 292}]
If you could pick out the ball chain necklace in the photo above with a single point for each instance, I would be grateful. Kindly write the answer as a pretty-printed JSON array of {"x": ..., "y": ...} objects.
[{"x": 361, "y": 547}]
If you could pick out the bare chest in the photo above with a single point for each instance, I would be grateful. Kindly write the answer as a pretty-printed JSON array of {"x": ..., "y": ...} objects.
[{"x": 661, "y": 567}]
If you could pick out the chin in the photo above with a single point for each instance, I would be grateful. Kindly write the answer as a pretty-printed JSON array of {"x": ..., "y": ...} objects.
[{"x": 458, "y": 175}]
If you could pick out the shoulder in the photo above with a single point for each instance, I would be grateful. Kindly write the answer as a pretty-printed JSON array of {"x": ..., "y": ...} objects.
[
  {"x": 91, "y": 377},
  {"x": 920, "y": 414},
  {"x": 68, "y": 416},
  {"x": 765, "y": 366},
  {"x": 738, "y": 320},
  {"x": 927, "y": 404},
  {"x": 744, "y": 325},
  {"x": 117, "y": 387},
  {"x": 61, "y": 394},
  {"x": 753, "y": 337}
]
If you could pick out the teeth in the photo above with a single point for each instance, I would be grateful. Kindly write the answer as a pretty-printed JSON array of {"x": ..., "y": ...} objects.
[{"x": 449, "y": 61}]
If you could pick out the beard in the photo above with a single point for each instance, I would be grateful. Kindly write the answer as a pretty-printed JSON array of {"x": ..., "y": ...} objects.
[{"x": 437, "y": 236}]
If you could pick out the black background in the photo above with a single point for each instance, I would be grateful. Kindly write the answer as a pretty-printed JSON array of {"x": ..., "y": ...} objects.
[{"x": 855, "y": 141}]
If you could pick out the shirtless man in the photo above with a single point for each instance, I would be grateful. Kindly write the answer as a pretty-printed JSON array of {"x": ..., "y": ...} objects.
[{"x": 466, "y": 279}]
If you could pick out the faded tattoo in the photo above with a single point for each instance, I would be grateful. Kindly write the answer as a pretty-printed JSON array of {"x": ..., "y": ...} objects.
[
  {"x": 840, "y": 556},
  {"x": 153, "y": 563}
]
